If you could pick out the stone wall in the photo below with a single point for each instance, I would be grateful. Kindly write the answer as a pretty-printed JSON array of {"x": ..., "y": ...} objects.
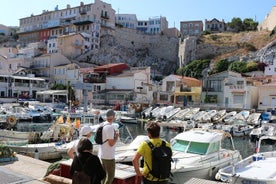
[{"x": 160, "y": 46}]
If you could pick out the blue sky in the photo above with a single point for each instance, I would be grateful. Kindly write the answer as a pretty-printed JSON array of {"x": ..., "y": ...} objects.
[{"x": 174, "y": 10}]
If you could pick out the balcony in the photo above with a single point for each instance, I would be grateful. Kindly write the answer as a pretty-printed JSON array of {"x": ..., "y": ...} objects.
[
  {"x": 103, "y": 16},
  {"x": 81, "y": 21}
]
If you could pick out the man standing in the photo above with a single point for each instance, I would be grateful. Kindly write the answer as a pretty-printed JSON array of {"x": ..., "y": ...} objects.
[
  {"x": 86, "y": 131},
  {"x": 144, "y": 150},
  {"x": 107, "y": 149}
]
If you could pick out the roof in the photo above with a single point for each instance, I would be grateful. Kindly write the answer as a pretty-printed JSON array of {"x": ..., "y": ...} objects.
[
  {"x": 189, "y": 81},
  {"x": 199, "y": 136}
]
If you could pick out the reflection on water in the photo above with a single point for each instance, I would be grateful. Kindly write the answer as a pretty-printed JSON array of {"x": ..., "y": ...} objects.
[{"x": 243, "y": 144}]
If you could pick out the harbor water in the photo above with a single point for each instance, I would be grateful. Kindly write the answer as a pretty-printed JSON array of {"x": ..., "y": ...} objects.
[{"x": 243, "y": 144}]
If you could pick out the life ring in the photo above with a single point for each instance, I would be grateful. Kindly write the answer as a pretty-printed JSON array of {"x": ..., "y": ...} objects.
[{"x": 11, "y": 120}]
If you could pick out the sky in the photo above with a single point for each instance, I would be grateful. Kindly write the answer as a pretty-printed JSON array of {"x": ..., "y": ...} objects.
[{"x": 174, "y": 10}]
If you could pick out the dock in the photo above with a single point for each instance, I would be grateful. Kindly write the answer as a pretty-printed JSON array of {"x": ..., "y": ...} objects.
[
  {"x": 202, "y": 181},
  {"x": 25, "y": 170}
]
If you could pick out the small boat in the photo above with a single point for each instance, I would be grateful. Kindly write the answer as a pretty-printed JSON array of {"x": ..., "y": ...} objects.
[
  {"x": 218, "y": 116},
  {"x": 228, "y": 117},
  {"x": 180, "y": 115},
  {"x": 18, "y": 135},
  {"x": 171, "y": 113},
  {"x": 257, "y": 168},
  {"x": 254, "y": 118},
  {"x": 191, "y": 113},
  {"x": 266, "y": 129},
  {"x": 209, "y": 115}
]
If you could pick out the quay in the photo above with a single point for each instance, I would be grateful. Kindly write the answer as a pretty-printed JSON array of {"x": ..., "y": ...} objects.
[
  {"x": 28, "y": 170},
  {"x": 25, "y": 170}
]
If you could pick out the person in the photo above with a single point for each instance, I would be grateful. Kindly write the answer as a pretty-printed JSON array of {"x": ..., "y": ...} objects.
[
  {"x": 86, "y": 131},
  {"x": 107, "y": 149},
  {"x": 144, "y": 151},
  {"x": 87, "y": 162}
]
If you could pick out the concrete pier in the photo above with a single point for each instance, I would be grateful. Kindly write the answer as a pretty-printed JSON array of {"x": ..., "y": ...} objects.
[{"x": 25, "y": 170}]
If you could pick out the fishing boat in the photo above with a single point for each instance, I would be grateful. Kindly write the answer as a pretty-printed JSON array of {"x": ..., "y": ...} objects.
[
  {"x": 198, "y": 153},
  {"x": 257, "y": 168}
]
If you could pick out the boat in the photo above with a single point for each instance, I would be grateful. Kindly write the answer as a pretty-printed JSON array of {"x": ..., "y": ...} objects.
[
  {"x": 257, "y": 168},
  {"x": 209, "y": 115},
  {"x": 169, "y": 115},
  {"x": 18, "y": 135},
  {"x": 254, "y": 118},
  {"x": 218, "y": 116},
  {"x": 198, "y": 153},
  {"x": 191, "y": 113},
  {"x": 41, "y": 151},
  {"x": 228, "y": 117},
  {"x": 265, "y": 129},
  {"x": 180, "y": 115}
]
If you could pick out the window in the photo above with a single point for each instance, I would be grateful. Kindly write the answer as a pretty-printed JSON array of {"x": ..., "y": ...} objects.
[{"x": 198, "y": 148}]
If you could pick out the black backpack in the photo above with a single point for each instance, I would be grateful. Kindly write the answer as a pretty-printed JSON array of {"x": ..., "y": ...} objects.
[
  {"x": 161, "y": 160},
  {"x": 99, "y": 135}
]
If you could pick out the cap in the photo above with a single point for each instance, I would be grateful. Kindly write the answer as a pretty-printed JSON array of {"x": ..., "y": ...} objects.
[
  {"x": 110, "y": 113},
  {"x": 85, "y": 130}
]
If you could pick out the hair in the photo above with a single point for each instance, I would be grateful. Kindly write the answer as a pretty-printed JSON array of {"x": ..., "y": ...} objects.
[
  {"x": 153, "y": 128},
  {"x": 84, "y": 144}
]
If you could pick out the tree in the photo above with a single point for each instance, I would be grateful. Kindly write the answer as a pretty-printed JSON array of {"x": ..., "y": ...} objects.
[
  {"x": 249, "y": 24},
  {"x": 221, "y": 65},
  {"x": 236, "y": 24},
  {"x": 194, "y": 68},
  {"x": 238, "y": 66},
  {"x": 251, "y": 66}
]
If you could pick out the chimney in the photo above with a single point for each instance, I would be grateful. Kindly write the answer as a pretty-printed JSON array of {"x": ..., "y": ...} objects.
[
  {"x": 68, "y": 6},
  {"x": 81, "y": 3}
]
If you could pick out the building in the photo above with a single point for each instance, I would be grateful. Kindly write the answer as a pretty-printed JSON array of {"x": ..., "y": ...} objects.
[
  {"x": 229, "y": 90},
  {"x": 43, "y": 66},
  {"x": 126, "y": 20},
  {"x": 142, "y": 25},
  {"x": 89, "y": 18},
  {"x": 187, "y": 50},
  {"x": 215, "y": 26},
  {"x": 13, "y": 87},
  {"x": 191, "y": 28},
  {"x": 179, "y": 90},
  {"x": 157, "y": 25},
  {"x": 269, "y": 22}
]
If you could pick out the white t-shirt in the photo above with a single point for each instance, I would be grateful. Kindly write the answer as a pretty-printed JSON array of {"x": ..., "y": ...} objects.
[{"x": 106, "y": 151}]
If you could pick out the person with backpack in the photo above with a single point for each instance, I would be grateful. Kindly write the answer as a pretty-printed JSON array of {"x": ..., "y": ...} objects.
[
  {"x": 157, "y": 156},
  {"x": 86, "y": 131},
  {"x": 107, "y": 148},
  {"x": 86, "y": 168}
]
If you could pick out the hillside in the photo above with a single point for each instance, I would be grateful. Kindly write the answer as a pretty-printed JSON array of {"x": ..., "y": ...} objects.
[{"x": 233, "y": 45}]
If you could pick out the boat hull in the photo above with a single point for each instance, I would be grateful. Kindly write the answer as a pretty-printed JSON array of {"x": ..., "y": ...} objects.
[{"x": 205, "y": 171}]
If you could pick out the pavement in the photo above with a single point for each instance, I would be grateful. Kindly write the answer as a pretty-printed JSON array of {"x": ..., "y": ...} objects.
[{"x": 25, "y": 170}]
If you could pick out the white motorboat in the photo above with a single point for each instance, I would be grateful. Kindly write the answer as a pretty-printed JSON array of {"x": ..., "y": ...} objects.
[
  {"x": 198, "y": 153},
  {"x": 181, "y": 114},
  {"x": 209, "y": 115},
  {"x": 266, "y": 129},
  {"x": 254, "y": 118},
  {"x": 228, "y": 117},
  {"x": 218, "y": 116},
  {"x": 257, "y": 168},
  {"x": 191, "y": 113},
  {"x": 171, "y": 113}
]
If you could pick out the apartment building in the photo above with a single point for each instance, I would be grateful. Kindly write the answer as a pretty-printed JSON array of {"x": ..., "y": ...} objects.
[
  {"x": 127, "y": 20},
  {"x": 88, "y": 18},
  {"x": 157, "y": 25},
  {"x": 191, "y": 28}
]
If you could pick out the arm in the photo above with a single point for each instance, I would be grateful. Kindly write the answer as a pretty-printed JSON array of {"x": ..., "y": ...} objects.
[
  {"x": 71, "y": 152},
  {"x": 135, "y": 163},
  {"x": 112, "y": 142}
]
